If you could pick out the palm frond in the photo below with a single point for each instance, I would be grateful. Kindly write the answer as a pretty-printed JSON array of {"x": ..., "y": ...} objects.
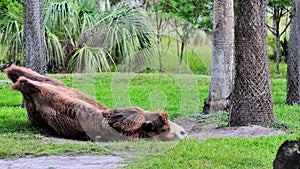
[
  {"x": 12, "y": 28},
  {"x": 128, "y": 31},
  {"x": 91, "y": 59},
  {"x": 55, "y": 54},
  {"x": 61, "y": 15}
]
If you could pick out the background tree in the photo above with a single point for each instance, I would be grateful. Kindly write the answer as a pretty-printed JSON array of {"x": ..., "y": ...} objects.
[
  {"x": 252, "y": 101},
  {"x": 34, "y": 43},
  {"x": 186, "y": 15},
  {"x": 72, "y": 29},
  {"x": 221, "y": 82},
  {"x": 293, "y": 64},
  {"x": 161, "y": 24},
  {"x": 279, "y": 9}
]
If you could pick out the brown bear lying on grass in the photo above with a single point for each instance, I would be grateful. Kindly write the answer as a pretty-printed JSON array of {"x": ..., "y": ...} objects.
[{"x": 69, "y": 113}]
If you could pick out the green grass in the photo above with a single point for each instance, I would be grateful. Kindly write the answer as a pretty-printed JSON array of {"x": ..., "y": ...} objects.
[
  {"x": 180, "y": 95},
  {"x": 217, "y": 153}
]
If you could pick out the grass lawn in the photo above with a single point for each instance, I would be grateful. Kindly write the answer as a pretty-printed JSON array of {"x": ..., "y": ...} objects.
[{"x": 180, "y": 95}]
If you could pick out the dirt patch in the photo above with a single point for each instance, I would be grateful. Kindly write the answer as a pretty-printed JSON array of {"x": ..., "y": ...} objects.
[
  {"x": 208, "y": 129},
  {"x": 65, "y": 162}
]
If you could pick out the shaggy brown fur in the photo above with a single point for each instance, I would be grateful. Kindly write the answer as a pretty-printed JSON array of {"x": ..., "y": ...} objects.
[
  {"x": 138, "y": 123},
  {"x": 14, "y": 72},
  {"x": 54, "y": 108}
]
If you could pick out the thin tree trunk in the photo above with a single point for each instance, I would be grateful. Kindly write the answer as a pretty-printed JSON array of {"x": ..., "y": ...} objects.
[
  {"x": 34, "y": 42},
  {"x": 222, "y": 57},
  {"x": 181, "y": 56},
  {"x": 108, "y": 4},
  {"x": 252, "y": 101},
  {"x": 277, "y": 38},
  {"x": 159, "y": 37},
  {"x": 277, "y": 52},
  {"x": 293, "y": 69},
  {"x": 102, "y": 5}
]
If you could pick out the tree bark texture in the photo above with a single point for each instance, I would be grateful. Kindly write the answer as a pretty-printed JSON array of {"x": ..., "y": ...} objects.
[
  {"x": 251, "y": 99},
  {"x": 222, "y": 57},
  {"x": 293, "y": 63},
  {"x": 34, "y": 42}
]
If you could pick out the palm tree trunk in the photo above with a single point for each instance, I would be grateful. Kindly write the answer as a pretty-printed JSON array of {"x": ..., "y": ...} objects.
[
  {"x": 293, "y": 69},
  {"x": 252, "y": 101},
  {"x": 34, "y": 42},
  {"x": 222, "y": 57}
]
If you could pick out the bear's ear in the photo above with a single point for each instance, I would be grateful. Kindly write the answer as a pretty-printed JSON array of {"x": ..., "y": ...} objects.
[
  {"x": 127, "y": 119},
  {"x": 164, "y": 116}
]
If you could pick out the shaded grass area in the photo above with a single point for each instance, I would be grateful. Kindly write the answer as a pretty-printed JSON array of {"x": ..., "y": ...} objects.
[{"x": 180, "y": 95}]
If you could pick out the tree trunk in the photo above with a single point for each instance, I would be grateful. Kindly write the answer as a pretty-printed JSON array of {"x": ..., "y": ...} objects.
[
  {"x": 277, "y": 52},
  {"x": 181, "y": 56},
  {"x": 251, "y": 99},
  {"x": 159, "y": 29},
  {"x": 34, "y": 42},
  {"x": 277, "y": 37},
  {"x": 102, "y": 5},
  {"x": 222, "y": 57},
  {"x": 108, "y": 4},
  {"x": 293, "y": 63}
]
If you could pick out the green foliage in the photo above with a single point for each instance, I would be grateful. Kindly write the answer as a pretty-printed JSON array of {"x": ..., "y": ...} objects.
[
  {"x": 65, "y": 21},
  {"x": 206, "y": 24},
  {"x": 196, "y": 64},
  {"x": 90, "y": 59},
  {"x": 285, "y": 4},
  {"x": 129, "y": 37},
  {"x": 187, "y": 10},
  {"x": 11, "y": 24}
]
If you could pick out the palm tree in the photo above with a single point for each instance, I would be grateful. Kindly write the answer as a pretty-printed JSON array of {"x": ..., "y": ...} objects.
[
  {"x": 252, "y": 101},
  {"x": 222, "y": 57},
  {"x": 34, "y": 45},
  {"x": 293, "y": 62},
  {"x": 128, "y": 35}
]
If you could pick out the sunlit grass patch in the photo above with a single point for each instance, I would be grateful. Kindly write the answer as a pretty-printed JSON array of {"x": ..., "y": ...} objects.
[{"x": 217, "y": 153}]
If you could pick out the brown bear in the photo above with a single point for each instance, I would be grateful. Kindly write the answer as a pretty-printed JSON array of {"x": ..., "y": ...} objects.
[{"x": 70, "y": 113}]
